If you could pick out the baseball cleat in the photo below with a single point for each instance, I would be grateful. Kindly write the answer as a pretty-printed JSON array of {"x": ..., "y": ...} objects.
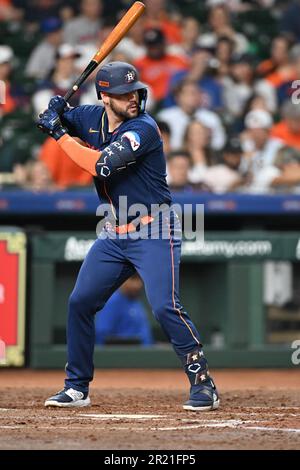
[
  {"x": 203, "y": 393},
  {"x": 69, "y": 398},
  {"x": 206, "y": 400}
]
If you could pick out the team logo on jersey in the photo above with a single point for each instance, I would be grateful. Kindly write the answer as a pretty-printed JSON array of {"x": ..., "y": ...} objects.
[
  {"x": 130, "y": 76},
  {"x": 133, "y": 138}
]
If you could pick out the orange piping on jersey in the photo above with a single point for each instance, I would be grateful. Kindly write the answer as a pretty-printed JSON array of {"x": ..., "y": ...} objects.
[
  {"x": 110, "y": 201},
  {"x": 173, "y": 289},
  {"x": 84, "y": 157}
]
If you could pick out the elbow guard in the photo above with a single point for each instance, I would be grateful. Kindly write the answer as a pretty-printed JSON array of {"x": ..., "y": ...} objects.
[{"x": 116, "y": 157}]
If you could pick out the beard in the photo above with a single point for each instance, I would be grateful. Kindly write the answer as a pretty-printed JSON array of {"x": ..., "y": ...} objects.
[{"x": 123, "y": 114}]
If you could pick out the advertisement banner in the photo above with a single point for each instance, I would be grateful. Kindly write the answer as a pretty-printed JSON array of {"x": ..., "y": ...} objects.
[{"x": 12, "y": 298}]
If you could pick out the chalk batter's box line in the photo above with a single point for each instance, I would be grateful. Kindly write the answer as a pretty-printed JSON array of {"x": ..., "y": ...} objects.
[{"x": 177, "y": 428}]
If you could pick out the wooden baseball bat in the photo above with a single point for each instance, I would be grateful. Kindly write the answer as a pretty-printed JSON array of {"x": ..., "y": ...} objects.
[{"x": 120, "y": 30}]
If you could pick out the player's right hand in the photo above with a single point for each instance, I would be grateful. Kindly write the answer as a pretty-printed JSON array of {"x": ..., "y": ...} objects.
[
  {"x": 50, "y": 123},
  {"x": 58, "y": 104}
]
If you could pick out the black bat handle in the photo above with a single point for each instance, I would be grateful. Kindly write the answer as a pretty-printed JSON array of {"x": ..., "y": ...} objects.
[{"x": 87, "y": 71}]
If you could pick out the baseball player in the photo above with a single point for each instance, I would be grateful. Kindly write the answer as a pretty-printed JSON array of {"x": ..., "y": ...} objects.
[{"x": 123, "y": 151}]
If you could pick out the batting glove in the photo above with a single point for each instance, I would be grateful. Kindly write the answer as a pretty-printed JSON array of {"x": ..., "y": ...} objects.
[
  {"x": 50, "y": 123},
  {"x": 58, "y": 104}
]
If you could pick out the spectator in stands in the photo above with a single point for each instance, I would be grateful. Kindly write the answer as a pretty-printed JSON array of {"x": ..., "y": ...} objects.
[
  {"x": 223, "y": 54},
  {"x": 36, "y": 11},
  {"x": 178, "y": 166},
  {"x": 124, "y": 318},
  {"x": 38, "y": 177},
  {"x": 89, "y": 49},
  {"x": 85, "y": 27},
  {"x": 283, "y": 175},
  {"x": 7, "y": 101},
  {"x": 34, "y": 176},
  {"x": 254, "y": 102},
  {"x": 288, "y": 130},
  {"x": 220, "y": 24},
  {"x": 290, "y": 20},
  {"x": 226, "y": 176},
  {"x": 157, "y": 17},
  {"x": 198, "y": 71},
  {"x": 59, "y": 82},
  {"x": 133, "y": 44},
  {"x": 67, "y": 12},
  {"x": 19, "y": 139},
  {"x": 279, "y": 57},
  {"x": 157, "y": 66},
  {"x": 241, "y": 85},
  {"x": 190, "y": 36},
  {"x": 197, "y": 142},
  {"x": 278, "y": 70},
  {"x": 42, "y": 58},
  {"x": 260, "y": 149},
  {"x": 63, "y": 171},
  {"x": 257, "y": 102},
  {"x": 188, "y": 108},
  {"x": 287, "y": 164}
]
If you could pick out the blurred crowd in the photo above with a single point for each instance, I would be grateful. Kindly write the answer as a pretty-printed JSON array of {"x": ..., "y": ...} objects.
[{"x": 223, "y": 87}]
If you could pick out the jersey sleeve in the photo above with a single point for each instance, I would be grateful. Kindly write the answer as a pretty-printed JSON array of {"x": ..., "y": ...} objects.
[
  {"x": 134, "y": 142},
  {"x": 143, "y": 137}
]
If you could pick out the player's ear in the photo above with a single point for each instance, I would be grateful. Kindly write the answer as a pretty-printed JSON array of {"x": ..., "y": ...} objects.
[{"x": 104, "y": 97}]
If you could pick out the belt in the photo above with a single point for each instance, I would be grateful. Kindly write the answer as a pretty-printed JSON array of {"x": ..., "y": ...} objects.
[{"x": 131, "y": 227}]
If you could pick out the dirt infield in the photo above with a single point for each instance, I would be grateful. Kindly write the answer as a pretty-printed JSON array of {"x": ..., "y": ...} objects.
[{"x": 142, "y": 410}]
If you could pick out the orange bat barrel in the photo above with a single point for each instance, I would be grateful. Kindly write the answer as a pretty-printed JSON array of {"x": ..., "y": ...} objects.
[{"x": 122, "y": 28}]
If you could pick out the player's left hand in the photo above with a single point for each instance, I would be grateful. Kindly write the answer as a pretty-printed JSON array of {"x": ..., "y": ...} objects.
[
  {"x": 58, "y": 104},
  {"x": 50, "y": 123}
]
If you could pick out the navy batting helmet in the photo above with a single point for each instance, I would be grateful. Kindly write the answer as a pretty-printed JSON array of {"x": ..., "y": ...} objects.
[{"x": 119, "y": 78}]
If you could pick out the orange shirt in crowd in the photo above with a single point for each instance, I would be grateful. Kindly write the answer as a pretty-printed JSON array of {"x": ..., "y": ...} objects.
[
  {"x": 63, "y": 170},
  {"x": 157, "y": 73},
  {"x": 171, "y": 30},
  {"x": 281, "y": 76},
  {"x": 282, "y": 132},
  {"x": 266, "y": 67}
]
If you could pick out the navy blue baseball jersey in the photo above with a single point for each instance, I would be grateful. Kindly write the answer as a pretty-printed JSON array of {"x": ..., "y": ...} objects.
[{"x": 132, "y": 162}]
